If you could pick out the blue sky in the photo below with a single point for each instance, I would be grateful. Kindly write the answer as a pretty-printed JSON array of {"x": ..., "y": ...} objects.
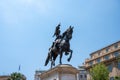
[{"x": 27, "y": 26}]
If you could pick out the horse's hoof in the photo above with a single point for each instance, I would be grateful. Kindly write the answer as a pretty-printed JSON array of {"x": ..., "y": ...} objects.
[
  {"x": 60, "y": 63},
  {"x": 53, "y": 64},
  {"x": 68, "y": 60}
]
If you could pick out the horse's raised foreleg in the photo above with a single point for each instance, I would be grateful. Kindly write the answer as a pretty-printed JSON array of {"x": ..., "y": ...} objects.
[
  {"x": 70, "y": 55},
  {"x": 53, "y": 60}
]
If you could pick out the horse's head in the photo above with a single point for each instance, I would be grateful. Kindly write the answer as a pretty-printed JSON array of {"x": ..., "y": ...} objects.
[{"x": 69, "y": 32}]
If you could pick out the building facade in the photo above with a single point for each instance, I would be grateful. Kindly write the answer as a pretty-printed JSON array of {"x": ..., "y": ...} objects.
[
  {"x": 37, "y": 74},
  {"x": 82, "y": 73},
  {"x": 109, "y": 56}
]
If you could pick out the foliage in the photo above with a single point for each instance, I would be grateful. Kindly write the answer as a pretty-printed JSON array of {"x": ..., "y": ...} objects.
[
  {"x": 99, "y": 72},
  {"x": 17, "y": 76},
  {"x": 118, "y": 58},
  {"x": 117, "y": 78}
]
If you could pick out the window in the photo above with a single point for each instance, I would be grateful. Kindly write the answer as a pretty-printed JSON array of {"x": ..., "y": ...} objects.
[
  {"x": 116, "y": 46},
  {"x": 107, "y": 49},
  {"x": 111, "y": 78},
  {"x": 85, "y": 76},
  {"x": 119, "y": 65},
  {"x": 81, "y": 76},
  {"x": 98, "y": 60},
  {"x": 98, "y": 53},
  {"x": 106, "y": 57},
  {"x": 91, "y": 63},
  {"x": 92, "y": 57},
  {"x": 116, "y": 54},
  {"x": 110, "y": 67}
]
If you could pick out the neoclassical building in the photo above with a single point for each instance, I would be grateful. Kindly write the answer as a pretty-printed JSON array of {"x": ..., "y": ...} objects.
[
  {"x": 109, "y": 56},
  {"x": 82, "y": 73},
  {"x": 37, "y": 74}
]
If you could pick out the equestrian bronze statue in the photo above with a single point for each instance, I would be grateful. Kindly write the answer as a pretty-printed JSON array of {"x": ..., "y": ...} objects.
[{"x": 60, "y": 45}]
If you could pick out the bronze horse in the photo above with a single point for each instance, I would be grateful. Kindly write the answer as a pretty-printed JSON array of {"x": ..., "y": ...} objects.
[{"x": 60, "y": 46}]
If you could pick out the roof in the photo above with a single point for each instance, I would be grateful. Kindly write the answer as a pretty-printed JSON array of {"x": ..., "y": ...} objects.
[{"x": 104, "y": 48}]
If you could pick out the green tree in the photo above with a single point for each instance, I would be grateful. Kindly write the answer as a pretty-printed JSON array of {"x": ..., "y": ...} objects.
[
  {"x": 17, "y": 76},
  {"x": 117, "y": 78},
  {"x": 99, "y": 72},
  {"x": 118, "y": 58}
]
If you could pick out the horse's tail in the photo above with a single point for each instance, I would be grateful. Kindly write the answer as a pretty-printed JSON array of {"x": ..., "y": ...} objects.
[{"x": 47, "y": 60}]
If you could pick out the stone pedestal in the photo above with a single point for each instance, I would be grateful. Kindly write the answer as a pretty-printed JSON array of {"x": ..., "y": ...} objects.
[{"x": 60, "y": 72}]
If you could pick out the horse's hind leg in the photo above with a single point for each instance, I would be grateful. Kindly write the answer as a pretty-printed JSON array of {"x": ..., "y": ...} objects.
[
  {"x": 70, "y": 55},
  {"x": 66, "y": 53}
]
